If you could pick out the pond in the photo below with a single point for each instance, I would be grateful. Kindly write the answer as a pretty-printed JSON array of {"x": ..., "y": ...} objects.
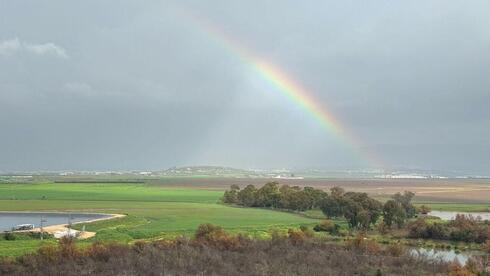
[
  {"x": 444, "y": 255},
  {"x": 11, "y": 219},
  {"x": 449, "y": 215}
]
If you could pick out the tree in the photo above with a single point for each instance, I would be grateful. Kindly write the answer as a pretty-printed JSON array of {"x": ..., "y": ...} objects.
[
  {"x": 268, "y": 195},
  {"x": 331, "y": 206},
  {"x": 293, "y": 198},
  {"x": 246, "y": 196},
  {"x": 314, "y": 196},
  {"x": 351, "y": 212},
  {"x": 405, "y": 200},
  {"x": 337, "y": 192},
  {"x": 299, "y": 200},
  {"x": 231, "y": 196},
  {"x": 372, "y": 207},
  {"x": 393, "y": 213}
]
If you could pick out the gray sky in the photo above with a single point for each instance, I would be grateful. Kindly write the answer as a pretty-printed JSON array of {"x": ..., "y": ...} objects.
[{"x": 140, "y": 85}]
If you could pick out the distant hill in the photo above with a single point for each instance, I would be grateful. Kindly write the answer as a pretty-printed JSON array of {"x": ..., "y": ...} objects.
[{"x": 217, "y": 171}]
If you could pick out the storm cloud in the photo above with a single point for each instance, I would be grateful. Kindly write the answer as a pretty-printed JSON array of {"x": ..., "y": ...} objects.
[{"x": 95, "y": 85}]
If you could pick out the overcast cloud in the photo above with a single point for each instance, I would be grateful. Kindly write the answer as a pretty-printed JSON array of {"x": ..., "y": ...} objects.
[{"x": 140, "y": 85}]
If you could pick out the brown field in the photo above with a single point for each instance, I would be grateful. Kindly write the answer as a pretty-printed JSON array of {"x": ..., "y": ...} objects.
[{"x": 439, "y": 190}]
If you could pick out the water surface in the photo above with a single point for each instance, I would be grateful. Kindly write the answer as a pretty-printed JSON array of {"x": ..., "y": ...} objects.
[
  {"x": 450, "y": 215},
  {"x": 444, "y": 255}
]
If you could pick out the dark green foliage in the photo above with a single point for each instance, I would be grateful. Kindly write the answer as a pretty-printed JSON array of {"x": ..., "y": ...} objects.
[
  {"x": 360, "y": 210},
  {"x": 405, "y": 200},
  {"x": 393, "y": 213},
  {"x": 293, "y": 198},
  {"x": 9, "y": 236},
  {"x": 268, "y": 195},
  {"x": 231, "y": 196},
  {"x": 272, "y": 196},
  {"x": 315, "y": 197},
  {"x": 247, "y": 196},
  {"x": 331, "y": 207},
  {"x": 399, "y": 209}
]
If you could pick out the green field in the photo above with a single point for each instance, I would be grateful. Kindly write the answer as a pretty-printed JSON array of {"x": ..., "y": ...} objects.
[
  {"x": 156, "y": 211},
  {"x": 152, "y": 212}
]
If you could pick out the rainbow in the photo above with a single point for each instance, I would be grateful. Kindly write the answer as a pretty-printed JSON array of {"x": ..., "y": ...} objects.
[{"x": 284, "y": 84}]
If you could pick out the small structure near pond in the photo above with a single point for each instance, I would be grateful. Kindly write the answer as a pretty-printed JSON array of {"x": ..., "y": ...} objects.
[{"x": 23, "y": 227}]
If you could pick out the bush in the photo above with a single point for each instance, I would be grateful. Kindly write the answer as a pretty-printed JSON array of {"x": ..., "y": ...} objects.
[
  {"x": 327, "y": 226},
  {"x": 9, "y": 236},
  {"x": 291, "y": 255},
  {"x": 296, "y": 237},
  {"x": 395, "y": 250},
  {"x": 307, "y": 231},
  {"x": 467, "y": 229},
  {"x": 486, "y": 246},
  {"x": 383, "y": 228},
  {"x": 362, "y": 243},
  {"x": 212, "y": 235}
]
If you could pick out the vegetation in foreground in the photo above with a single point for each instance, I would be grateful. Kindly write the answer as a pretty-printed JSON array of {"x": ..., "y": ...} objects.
[{"x": 214, "y": 252}]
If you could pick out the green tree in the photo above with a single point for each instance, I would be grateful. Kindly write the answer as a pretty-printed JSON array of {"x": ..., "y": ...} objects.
[
  {"x": 246, "y": 196},
  {"x": 337, "y": 192},
  {"x": 268, "y": 195},
  {"x": 331, "y": 207},
  {"x": 394, "y": 213},
  {"x": 231, "y": 196},
  {"x": 405, "y": 200},
  {"x": 293, "y": 198},
  {"x": 314, "y": 196},
  {"x": 351, "y": 210},
  {"x": 372, "y": 207}
]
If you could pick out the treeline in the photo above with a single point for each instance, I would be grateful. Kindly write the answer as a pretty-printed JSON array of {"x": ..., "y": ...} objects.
[
  {"x": 212, "y": 251},
  {"x": 465, "y": 228},
  {"x": 272, "y": 195},
  {"x": 360, "y": 210}
]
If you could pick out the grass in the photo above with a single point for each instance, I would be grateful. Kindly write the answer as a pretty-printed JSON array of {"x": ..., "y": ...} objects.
[
  {"x": 152, "y": 212},
  {"x": 20, "y": 247},
  {"x": 106, "y": 192},
  {"x": 156, "y": 211}
]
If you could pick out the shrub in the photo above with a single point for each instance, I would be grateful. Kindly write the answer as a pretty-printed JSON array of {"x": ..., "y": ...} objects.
[
  {"x": 362, "y": 243},
  {"x": 296, "y": 237},
  {"x": 383, "y": 228},
  {"x": 67, "y": 247},
  {"x": 9, "y": 236},
  {"x": 457, "y": 270},
  {"x": 395, "y": 250},
  {"x": 307, "y": 231},
  {"x": 486, "y": 246},
  {"x": 212, "y": 235},
  {"x": 327, "y": 226},
  {"x": 292, "y": 255}
]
